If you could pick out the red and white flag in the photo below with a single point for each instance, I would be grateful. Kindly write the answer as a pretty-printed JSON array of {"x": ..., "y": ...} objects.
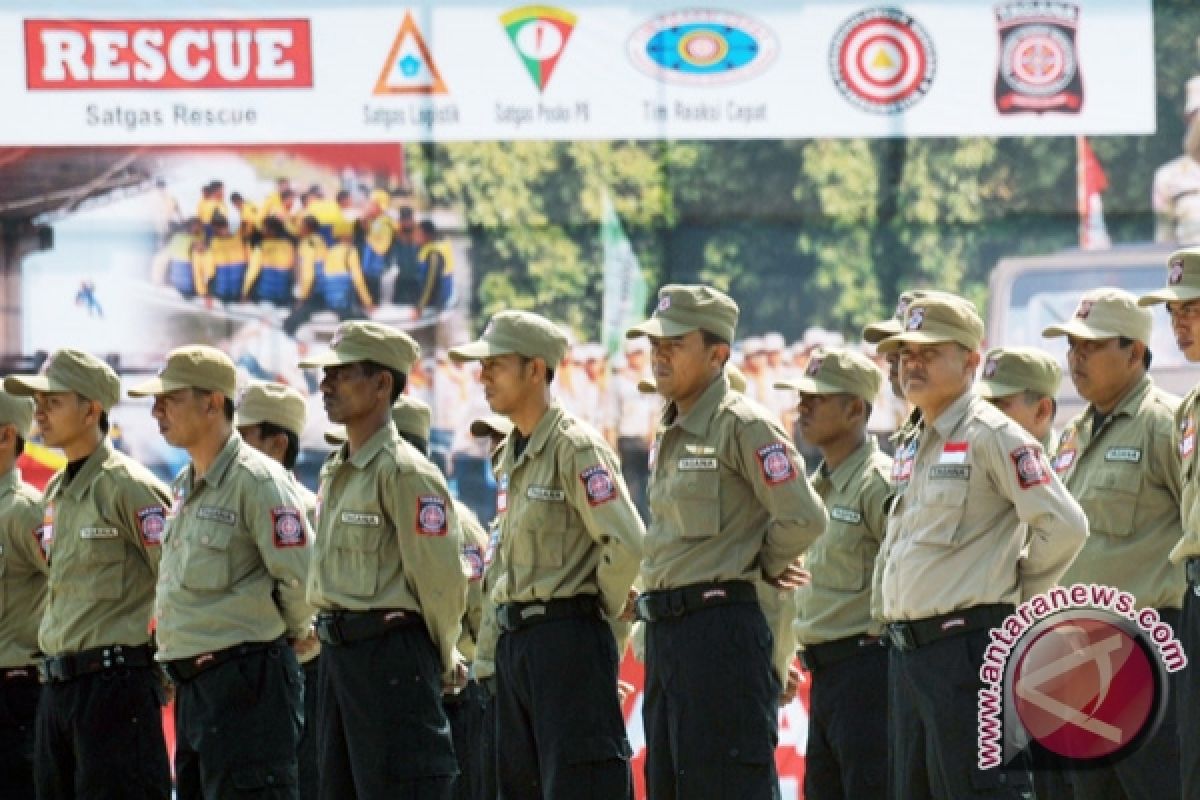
[{"x": 1090, "y": 184}]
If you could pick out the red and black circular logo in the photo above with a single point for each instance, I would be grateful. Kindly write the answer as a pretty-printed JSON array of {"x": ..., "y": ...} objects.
[
  {"x": 1038, "y": 60},
  {"x": 1088, "y": 687},
  {"x": 882, "y": 60}
]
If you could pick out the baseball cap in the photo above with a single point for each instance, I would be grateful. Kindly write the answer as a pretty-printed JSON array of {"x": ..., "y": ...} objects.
[
  {"x": 192, "y": 367},
  {"x": 363, "y": 340},
  {"x": 685, "y": 308},
  {"x": 491, "y": 424},
  {"x": 409, "y": 415},
  {"x": 1106, "y": 314},
  {"x": 18, "y": 411},
  {"x": 935, "y": 319},
  {"x": 878, "y": 331},
  {"x": 838, "y": 371},
  {"x": 274, "y": 403},
  {"x": 70, "y": 370},
  {"x": 522, "y": 332},
  {"x": 1010, "y": 370},
  {"x": 1183, "y": 279}
]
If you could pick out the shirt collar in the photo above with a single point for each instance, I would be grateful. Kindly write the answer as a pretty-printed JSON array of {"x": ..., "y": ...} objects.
[
  {"x": 840, "y": 478},
  {"x": 949, "y": 420},
  {"x": 540, "y": 435},
  {"x": 1129, "y": 404},
  {"x": 91, "y": 468},
  {"x": 697, "y": 420},
  {"x": 378, "y": 441},
  {"x": 220, "y": 465},
  {"x": 9, "y": 481}
]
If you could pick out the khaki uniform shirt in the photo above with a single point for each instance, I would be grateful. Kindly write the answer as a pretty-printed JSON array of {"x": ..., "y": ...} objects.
[
  {"x": 388, "y": 538},
  {"x": 101, "y": 533},
  {"x": 1126, "y": 475},
  {"x": 236, "y": 556},
  {"x": 964, "y": 485},
  {"x": 569, "y": 527},
  {"x": 474, "y": 546},
  {"x": 1175, "y": 197},
  {"x": 729, "y": 499},
  {"x": 309, "y": 506},
  {"x": 23, "y": 570},
  {"x": 483, "y": 665},
  {"x": 837, "y": 601},
  {"x": 1186, "y": 420}
]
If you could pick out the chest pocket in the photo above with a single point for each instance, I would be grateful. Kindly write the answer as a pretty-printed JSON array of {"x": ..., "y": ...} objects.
[
  {"x": 353, "y": 566},
  {"x": 1111, "y": 501},
  {"x": 697, "y": 501},
  {"x": 941, "y": 508},
  {"x": 842, "y": 557},
  {"x": 538, "y": 540},
  {"x": 102, "y": 568},
  {"x": 208, "y": 559}
]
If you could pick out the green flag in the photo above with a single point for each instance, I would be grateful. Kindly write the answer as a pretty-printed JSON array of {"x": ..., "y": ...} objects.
[{"x": 624, "y": 285}]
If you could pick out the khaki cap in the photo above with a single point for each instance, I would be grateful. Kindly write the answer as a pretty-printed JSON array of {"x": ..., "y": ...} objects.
[
  {"x": 1106, "y": 314},
  {"x": 683, "y": 309},
  {"x": 1183, "y": 279},
  {"x": 362, "y": 340},
  {"x": 520, "y": 332},
  {"x": 70, "y": 370},
  {"x": 491, "y": 425},
  {"x": 192, "y": 367},
  {"x": 409, "y": 415},
  {"x": 1012, "y": 370},
  {"x": 935, "y": 319},
  {"x": 274, "y": 403},
  {"x": 736, "y": 378},
  {"x": 15, "y": 410},
  {"x": 838, "y": 371},
  {"x": 878, "y": 331}
]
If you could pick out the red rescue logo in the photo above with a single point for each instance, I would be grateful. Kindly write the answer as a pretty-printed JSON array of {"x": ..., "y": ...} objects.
[{"x": 168, "y": 54}]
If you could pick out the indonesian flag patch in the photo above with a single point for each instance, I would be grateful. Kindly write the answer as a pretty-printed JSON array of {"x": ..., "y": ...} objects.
[
  {"x": 152, "y": 521},
  {"x": 1028, "y": 462},
  {"x": 954, "y": 453},
  {"x": 502, "y": 495},
  {"x": 775, "y": 463},
  {"x": 598, "y": 483},
  {"x": 431, "y": 515},
  {"x": 1187, "y": 436},
  {"x": 45, "y": 533},
  {"x": 288, "y": 526}
]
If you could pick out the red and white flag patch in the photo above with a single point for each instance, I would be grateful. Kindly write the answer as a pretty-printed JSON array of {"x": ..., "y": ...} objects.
[
  {"x": 1187, "y": 436},
  {"x": 288, "y": 526},
  {"x": 45, "y": 532},
  {"x": 1030, "y": 470},
  {"x": 598, "y": 484},
  {"x": 954, "y": 453},
  {"x": 431, "y": 515},
  {"x": 776, "y": 464},
  {"x": 152, "y": 522},
  {"x": 502, "y": 495},
  {"x": 473, "y": 557}
]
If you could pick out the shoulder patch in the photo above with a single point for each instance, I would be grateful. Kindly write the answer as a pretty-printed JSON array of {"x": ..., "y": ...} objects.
[
  {"x": 598, "y": 484},
  {"x": 152, "y": 521},
  {"x": 775, "y": 463},
  {"x": 431, "y": 515},
  {"x": 1187, "y": 436},
  {"x": 1027, "y": 460},
  {"x": 473, "y": 556},
  {"x": 287, "y": 526}
]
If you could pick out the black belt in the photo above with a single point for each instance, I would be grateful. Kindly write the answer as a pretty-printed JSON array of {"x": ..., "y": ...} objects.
[
  {"x": 666, "y": 603},
  {"x": 816, "y": 656},
  {"x": 184, "y": 669},
  {"x": 346, "y": 627},
  {"x": 1193, "y": 572},
  {"x": 515, "y": 616},
  {"x": 73, "y": 665},
  {"x": 918, "y": 633}
]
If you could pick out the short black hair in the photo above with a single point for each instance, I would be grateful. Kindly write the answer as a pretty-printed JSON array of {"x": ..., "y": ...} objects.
[
  {"x": 20, "y": 449},
  {"x": 267, "y": 429},
  {"x": 711, "y": 339},
  {"x": 549, "y": 369},
  {"x": 1126, "y": 342},
  {"x": 399, "y": 379},
  {"x": 103, "y": 422}
]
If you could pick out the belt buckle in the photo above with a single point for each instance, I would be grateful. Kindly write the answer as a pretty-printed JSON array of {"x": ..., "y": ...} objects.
[
  {"x": 328, "y": 630},
  {"x": 902, "y": 637},
  {"x": 505, "y": 618},
  {"x": 641, "y": 608}
]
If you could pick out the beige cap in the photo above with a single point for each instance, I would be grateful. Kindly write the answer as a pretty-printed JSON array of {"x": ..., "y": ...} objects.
[
  {"x": 274, "y": 403},
  {"x": 70, "y": 370},
  {"x": 15, "y": 410},
  {"x": 1183, "y": 279},
  {"x": 683, "y": 309},
  {"x": 935, "y": 319},
  {"x": 878, "y": 331},
  {"x": 362, "y": 340},
  {"x": 409, "y": 415},
  {"x": 492, "y": 424},
  {"x": 520, "y": 332},
  {"x": 192, "y": 367},
  {"x": 838, "y": 371},
  {"x": 736, "y": 378},
  {"x": 1106, "y": 314},
  {"x": 1011, "y": 370}
]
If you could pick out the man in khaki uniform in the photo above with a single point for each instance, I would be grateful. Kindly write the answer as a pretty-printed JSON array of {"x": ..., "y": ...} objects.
[
  {"x": 1023, "y": 383},
  {"x": 1119, "y": 460},
  {"x": 1182, "y": 297},
  {"x": 731, "y": 506},
  {"x": 271, "y": 418},
  {"x": 841, "y": 644},
  {"x": 22, "y": 599},
  {"x": 956, "y": 558},
  {"x": 569, "y": 548},
  {"x": 97, "y": 729},
  {"x": 231, "y": 591},
  {"x": 387, "y": 580}
]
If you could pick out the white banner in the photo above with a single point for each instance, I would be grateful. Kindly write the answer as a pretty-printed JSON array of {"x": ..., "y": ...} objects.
[{"x": 96, "y": 74}]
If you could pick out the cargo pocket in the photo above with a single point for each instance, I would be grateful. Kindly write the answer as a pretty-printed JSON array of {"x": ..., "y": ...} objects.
[
  {"x": 747, "y": 766},
  {"x": 354, "y": 561},
  {"x": 539, "y": 537},
  {"x": 598, "y": 766},
  {"x": 265, "y": 779},
  {"x": 207, "y": 567},
  {"x": 699, "y": 504},
  {"x": 943, "y": 503},
  {"x": 104, "y": 562},
  {"x": 1111, "y": 502}
]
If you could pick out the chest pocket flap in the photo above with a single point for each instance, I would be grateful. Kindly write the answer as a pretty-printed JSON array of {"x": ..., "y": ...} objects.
[
  {"x": 841, "y": 558},
  {"x": 208, "y": 565},
  {"x": 698, "y": 503},
  {"x": 943, "y": 503},
  {"x": 538, "y": 539},
  {"x": 1111, "y": 501}
]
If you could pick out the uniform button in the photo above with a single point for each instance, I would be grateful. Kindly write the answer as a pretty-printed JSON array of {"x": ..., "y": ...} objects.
[
  {"x": 294, "y": 582},
  {"x": 203, "y": 540}
]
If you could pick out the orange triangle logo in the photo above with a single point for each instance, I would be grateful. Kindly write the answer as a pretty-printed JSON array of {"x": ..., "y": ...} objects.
[{"x": 409, "y": 68}]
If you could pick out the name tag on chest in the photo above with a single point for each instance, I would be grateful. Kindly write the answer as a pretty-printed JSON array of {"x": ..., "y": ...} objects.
[
  {"x": 846, "y": 515},
  {"x": 221, "y": 515},
  {"x": 955, "y": 472},
  {"x": 1127, "y": 455},
  {"x": 546, "y": 495},
  {"x": 98, "y": 533},
  {"x": 697, "y": 464},
  {"x": 360, "y": 518}
]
